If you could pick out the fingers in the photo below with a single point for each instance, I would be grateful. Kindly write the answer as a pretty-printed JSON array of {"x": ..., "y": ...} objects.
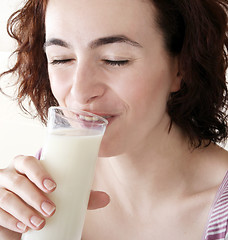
[
  {"x": 19, "y": 185},
  {"x": 10, "y": 222},
  {"x": 33, "y": 169},
  {"x": 26, "y": 216},
  {"x": 23, "y": 203},
  {"x": 98, "y": 199},
  {"x": 7, "y": 234}
]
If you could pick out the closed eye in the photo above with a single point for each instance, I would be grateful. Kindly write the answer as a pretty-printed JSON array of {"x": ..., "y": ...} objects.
[
  {"x": 116, "y": 63},
  {"x": 60, "y": 61}
]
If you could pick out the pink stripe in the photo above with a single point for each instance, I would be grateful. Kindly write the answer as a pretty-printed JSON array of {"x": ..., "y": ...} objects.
[
  {"x": 217, "y": 224},
  {"x": 223, "y": 198},
  {"x": 219, "y": 212},
  {"x": 216, "y": 236},
  {"x": 221, "y": 202}
]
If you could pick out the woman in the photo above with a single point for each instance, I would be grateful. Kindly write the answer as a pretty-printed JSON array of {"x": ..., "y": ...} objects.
[{"x": 156, "y": 70}]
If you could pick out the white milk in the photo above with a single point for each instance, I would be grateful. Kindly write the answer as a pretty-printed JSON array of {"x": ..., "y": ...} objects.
[{"x": 71, "y": 161}]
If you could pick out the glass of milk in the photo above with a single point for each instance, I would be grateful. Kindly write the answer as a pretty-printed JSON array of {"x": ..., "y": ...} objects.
[{"x": 69, "y": 155}]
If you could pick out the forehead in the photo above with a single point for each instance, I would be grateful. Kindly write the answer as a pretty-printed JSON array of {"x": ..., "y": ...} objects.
[{"x": 104, "y": 17}]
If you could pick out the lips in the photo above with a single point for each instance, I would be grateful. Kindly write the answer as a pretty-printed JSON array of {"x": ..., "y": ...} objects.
[
  {"x": 88, "y": 115},
  {"x": 109, "y": 118},
  {"x": 87, "y": 118}
]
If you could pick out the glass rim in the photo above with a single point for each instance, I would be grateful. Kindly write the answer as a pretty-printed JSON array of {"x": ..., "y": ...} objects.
[{"x": 102, "y": 121}]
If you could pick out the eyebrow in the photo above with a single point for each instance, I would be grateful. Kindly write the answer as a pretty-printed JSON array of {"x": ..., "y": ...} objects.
[
  {"x": 56, "y": 42},
  {"x": 94, "y": 44},
  {"x": 113, "y": 39}
]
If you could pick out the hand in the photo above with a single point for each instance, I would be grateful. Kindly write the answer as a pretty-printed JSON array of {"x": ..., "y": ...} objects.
[{"x": 23, "y": 202}]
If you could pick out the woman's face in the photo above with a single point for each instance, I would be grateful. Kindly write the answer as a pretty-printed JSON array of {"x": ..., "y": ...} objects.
[{"x": 108, "y": 57}]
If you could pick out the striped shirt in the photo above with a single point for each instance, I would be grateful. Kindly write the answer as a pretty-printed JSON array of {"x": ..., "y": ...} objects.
[{"x": 217, "y": 228}]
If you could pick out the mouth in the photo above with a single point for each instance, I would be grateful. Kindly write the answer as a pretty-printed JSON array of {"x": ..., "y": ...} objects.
[{"x": 96, "y": 119}]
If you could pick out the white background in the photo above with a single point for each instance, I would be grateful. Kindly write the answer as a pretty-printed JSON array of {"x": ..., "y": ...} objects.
[{"x": 19, "y": 134}]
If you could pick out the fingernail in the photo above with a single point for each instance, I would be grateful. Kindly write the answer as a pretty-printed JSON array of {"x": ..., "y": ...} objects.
[
  {"x": 48, "y": 208},
  {"x": 36, "y": 221},
  {"x": 49, "y": 185},
  {"x": 21, "y": 226}
]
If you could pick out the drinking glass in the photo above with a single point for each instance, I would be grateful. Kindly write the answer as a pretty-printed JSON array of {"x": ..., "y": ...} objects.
[{"x": 69, "y": 155}]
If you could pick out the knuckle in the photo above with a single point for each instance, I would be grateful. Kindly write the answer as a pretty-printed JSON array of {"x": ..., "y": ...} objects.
[
  {"x": 9, "y": 223},
  {"x": 2, "y": 172},
  {"x": 25, "y": 160},
  {"x": 17, "y": 158},
  {"x": 22, "y": 161},
  {"x": 5, "y": 197},
  {"x": 11, "y": 179},
  {"x": 5, "y": 176},
  {"x": 17, "y": 179},
  {"x": 5, "y": 171}
]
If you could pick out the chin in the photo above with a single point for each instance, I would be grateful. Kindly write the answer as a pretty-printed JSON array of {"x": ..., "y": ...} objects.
[
  {"x": 109, "y": 150},
  {"x": 112, "y": 144},
  {"x": 106, "y": 153}
]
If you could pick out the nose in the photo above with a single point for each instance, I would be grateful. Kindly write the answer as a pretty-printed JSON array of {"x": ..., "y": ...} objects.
[{"x": 87, "y": 85}]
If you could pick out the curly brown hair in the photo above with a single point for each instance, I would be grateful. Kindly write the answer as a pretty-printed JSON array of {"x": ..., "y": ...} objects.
[
  {"x": 194, "y": 30},
  {"x": 27, "y": 27}
]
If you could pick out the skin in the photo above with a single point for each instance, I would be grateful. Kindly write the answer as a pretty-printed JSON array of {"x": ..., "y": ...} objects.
[
  {"x": 115, "y": 64},
  {"x": 133, "y": 93}
]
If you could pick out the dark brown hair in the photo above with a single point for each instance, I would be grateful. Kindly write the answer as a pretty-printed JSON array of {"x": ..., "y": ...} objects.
[{"x": 194, "y": 30}]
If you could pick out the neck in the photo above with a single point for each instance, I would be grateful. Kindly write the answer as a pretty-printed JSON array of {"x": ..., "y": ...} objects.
[{"x": 152, "y": 170}]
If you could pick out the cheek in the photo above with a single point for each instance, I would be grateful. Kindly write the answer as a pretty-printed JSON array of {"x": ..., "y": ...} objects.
[
  {"x": 60, "y": 84},
  {"x": 148, "y": 93}
]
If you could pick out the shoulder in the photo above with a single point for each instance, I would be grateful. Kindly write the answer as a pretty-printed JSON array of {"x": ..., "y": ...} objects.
[
  {"x": 215, "y": 170},
  {"x": 219, "y": 160},
  {"x": 207, "y": 169},
  {"x": 214, "y": 163},
  {"x": 218, "y": 221}
]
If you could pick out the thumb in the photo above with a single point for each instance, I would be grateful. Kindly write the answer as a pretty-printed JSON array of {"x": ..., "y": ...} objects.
[{"x": 98, "y": 199}]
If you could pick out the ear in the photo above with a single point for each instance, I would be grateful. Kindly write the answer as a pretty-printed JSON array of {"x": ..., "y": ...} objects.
[{"x": 177, "y": 75}]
